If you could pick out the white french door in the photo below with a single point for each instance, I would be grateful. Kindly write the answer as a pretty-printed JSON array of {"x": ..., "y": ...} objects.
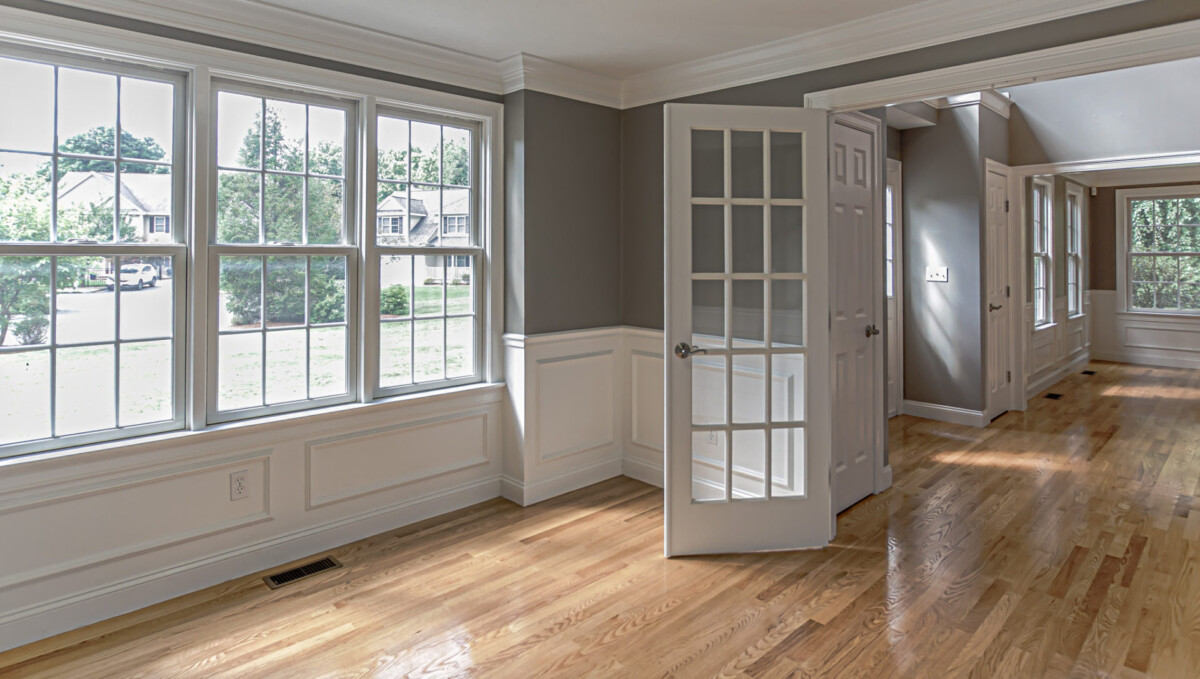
[{"x": 747, "y": 330}]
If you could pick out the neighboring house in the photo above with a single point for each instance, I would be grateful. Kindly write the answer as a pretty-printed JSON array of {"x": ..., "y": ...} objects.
[
  {"x": 429, "y": 218},
  {"x": 145, "y": 200}
]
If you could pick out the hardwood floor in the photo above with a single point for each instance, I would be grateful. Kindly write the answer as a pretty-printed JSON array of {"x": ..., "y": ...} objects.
[{"x": 1063, "y": 541}]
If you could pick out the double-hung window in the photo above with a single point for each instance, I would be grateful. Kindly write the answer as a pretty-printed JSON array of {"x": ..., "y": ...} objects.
[
  {"x": 91, "y": 308},
  {"x": 283, "y": 259},
  {"x": 428, "y": 285},
  {"x": 1042, "y": 254},
  {"x": 1074, "y": 251},
  {"x": 1161, "y": 232}
]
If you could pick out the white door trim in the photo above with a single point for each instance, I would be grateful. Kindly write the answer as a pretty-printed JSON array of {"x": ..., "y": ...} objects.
[
  {"x": 1137, "y": 48},
  {"x": 873, "y": 126},
  {"x": 897, "y": 167}
]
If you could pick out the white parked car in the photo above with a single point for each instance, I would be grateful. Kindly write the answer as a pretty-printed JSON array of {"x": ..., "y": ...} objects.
[{"x": 135, "y": 276}]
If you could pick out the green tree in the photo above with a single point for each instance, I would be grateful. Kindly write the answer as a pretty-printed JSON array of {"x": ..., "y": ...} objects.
[{"x": 100, "y": 141}]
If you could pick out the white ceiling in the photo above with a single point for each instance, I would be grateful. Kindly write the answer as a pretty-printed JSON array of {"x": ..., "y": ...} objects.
[{"x": 617, "y": 38}]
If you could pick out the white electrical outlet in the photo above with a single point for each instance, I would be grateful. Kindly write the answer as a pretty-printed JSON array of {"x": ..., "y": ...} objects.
[
  {"x": 937, "y": 274},
  {"x": 238, "y": 487}
]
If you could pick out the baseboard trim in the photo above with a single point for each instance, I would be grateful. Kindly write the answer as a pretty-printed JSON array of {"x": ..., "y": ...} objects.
[
  {"x": 941, "y": 413},
  {"x": 80, "y": 609},
  {"x": 526, "y": 494},
  {"x": 645, "y": 471},
  {"x": 885, "y": 480},
  {"x": 1147, "y": 359},
  {"x": 1055, "y": 376}
]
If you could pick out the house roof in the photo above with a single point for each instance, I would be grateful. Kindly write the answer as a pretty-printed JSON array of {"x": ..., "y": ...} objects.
[{"x": 145, "y": 193}]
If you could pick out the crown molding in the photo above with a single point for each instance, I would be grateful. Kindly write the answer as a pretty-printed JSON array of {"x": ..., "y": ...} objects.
[
  {"x": 924, "y": 24},
  {"x": 529, "y": 72},
  {"x": 989, "y": 99},
  {"x": 284, "y": 29},
  {"x": 900, "y": 30}
]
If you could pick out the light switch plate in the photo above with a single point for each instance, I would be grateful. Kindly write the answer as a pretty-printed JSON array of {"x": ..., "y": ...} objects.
[{"x": 937, "y": 274}]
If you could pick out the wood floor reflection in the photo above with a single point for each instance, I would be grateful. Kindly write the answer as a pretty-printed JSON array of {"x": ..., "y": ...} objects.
[{"x": 1063, "y": 541}]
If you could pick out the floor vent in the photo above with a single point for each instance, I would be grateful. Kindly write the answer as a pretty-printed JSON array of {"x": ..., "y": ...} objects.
[
  {"x": 1053, "y": 397},
  {"x": 289, "y": 576},
  {"x": 1088, "y": 372}
]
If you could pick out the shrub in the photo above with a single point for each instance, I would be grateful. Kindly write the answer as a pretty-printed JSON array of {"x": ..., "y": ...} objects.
[
  {"x": 33, "y": 329},
  {"x": 393, "y": 301}
]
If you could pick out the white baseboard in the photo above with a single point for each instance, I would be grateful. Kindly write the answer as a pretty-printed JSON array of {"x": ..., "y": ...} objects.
[
  {"x": 532, "y": 493},
  {"x": 1053, "y": 377},
  {"x": 145, "y": 589},
  {"x": 643, "y": 470},
  {"x": 885, "y": 480},
  {"x": 941, "y": 413}
]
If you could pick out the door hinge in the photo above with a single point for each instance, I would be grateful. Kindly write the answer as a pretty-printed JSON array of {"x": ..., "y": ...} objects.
[
  {"x": 1008, "y": 291},
  {"x": 1006, "y": 205},
  {"x": 1009, "y": 376}
]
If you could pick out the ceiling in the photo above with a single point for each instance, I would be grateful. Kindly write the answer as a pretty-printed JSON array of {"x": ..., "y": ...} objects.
[{"x": 617, "y": 38}]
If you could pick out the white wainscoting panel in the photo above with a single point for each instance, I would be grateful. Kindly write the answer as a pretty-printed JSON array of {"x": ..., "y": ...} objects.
[
  {"x": 1056, "y": 350},
  {"x": 566, "y": 391},
  {"x": 343, "y": 467},
  {"x": 644, "y": 410},
  {"x": 1143, "y": 338},
  {"x": 94, "y": 534}
]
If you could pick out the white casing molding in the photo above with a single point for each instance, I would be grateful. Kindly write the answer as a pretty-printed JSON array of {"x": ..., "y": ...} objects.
[
  {"x": 989, "y": 99},
  {"x": 1140, "y": 338},
  {"x": 928, "y": 23},
  {"x": 941, "y": 413},
  {"x": 1137, "y": 48}
]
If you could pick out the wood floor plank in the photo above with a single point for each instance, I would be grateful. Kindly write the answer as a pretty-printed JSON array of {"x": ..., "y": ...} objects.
[{"x": 1063, "y": 541}]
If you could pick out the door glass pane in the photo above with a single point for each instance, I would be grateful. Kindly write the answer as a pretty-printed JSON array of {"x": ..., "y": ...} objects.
[
  {"x": 708, "y": 164},
  {"x": 746, "y": 149},
  {"x": 747, "y": 239},
  {"x": 749, "y": 465},
  {"x": 787, "y": 313},
  {"x": 708, "y": 313},
  {"x": 708, "y": 389},
  {"x": 708, "y": 466},
  {"x": 748, "y": 313},
  {"x": 788, "y": 461},
  {"x": 787, "y": 387},
  {"x": 749, "y": 389},
  {"x": 787, "y": 165},
  {"x": 787, "y": 239},
  {"x": 708, "y": 239}
]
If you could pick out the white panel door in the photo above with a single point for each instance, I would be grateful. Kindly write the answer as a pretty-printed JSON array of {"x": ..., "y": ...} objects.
[
  {"x": 747, "y": 370},
  {"x": 999, "y": 315},
  {"x": 854, "y": 299}
]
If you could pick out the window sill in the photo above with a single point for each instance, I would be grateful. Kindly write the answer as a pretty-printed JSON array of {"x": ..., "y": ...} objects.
[
  {"x": 1044, "y": 326},
  {"x": 1072, "y": 317},
  {"x": 470, "y": 394},
  {"x": 1193, "y": 316}
]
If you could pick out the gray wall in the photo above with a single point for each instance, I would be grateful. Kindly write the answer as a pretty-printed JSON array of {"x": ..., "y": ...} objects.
[
  {"x": 1082, "y": 119},
  {"x": 943, "y": 333},
  {"x": 893, "y": 144},
  {"x": 569, "y": 219},
  {"x": 642, "y": 163}
]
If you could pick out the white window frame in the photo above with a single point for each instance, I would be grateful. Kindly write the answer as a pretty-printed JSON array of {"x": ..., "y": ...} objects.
[
  {"x": 1124, "y": 256},
  {"x": 1077, "y": 228},
  {"x": 393, "y": 222},
  {"x": 177, "y": 250},
  {"x": 199, "y": 64},
  {"x": 474, "y": 247},
  {"x": 348, "y": 249},
  {"x": 1042, "y": 218},
  {"x": 464, "y": 220}
]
